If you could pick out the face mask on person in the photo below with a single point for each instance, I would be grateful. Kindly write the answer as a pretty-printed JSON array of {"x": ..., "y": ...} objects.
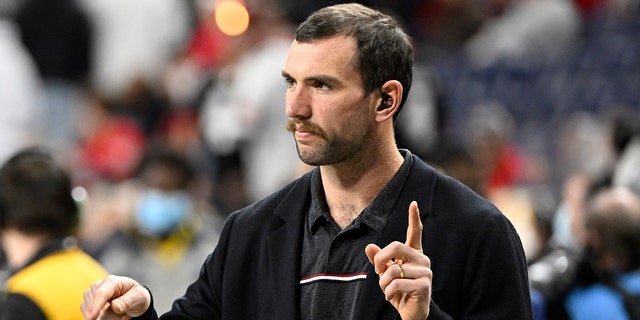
[{"x": 158, "y": 213}]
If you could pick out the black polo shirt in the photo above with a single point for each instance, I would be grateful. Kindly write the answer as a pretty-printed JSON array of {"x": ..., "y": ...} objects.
[{"x": 334, "y": 263}]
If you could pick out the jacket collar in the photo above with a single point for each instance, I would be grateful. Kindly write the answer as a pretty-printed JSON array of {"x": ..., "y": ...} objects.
[{"x": 284, "y": 246}]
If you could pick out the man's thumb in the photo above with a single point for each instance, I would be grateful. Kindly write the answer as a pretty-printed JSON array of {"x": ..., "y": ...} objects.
[
  {"x": 133, "y": 303},
  {"x": 371, "y": 250}
]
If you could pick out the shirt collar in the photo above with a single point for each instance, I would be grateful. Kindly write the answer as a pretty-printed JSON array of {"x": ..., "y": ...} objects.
[{"x": 318, "y": 212}]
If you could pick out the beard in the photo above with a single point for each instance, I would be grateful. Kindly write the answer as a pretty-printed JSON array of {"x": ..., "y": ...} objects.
[{"x": 350, "y": 139}]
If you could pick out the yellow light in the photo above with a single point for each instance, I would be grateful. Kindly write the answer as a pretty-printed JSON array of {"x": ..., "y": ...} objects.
[{"x": 232, "y": 17}]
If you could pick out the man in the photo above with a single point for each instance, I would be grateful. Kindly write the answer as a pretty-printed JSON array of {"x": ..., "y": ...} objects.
[
  {"x": 37, "y": 218},
  {"x": 300, "y": 252}
]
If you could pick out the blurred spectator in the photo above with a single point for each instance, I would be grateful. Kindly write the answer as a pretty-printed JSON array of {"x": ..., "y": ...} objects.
[
  {"x": 612, "y": 242},
  {"x": 242, "y": 116},
  {"x": 555, "y": 271},
  {"x": 490, "y": 135},
  {"x": 526, "y": 30},
  {"x": 504, "y": 173},
  {"x": 38, "y": 217},
  {"x": 60, "y": 43},
  {"x": 135, "y": 40},
  {"x": 109, "y": 147},
  {"x": 583, "y": 162},
  {"x": 562, "y": 264},
  {"x": 584, "y": 145},
  {"x": 58, "y": 35},
  {"x": 19, "y": 86},
  {"x": 207, "y": 43},
  {"x": 164, "y": 233},
  {"x": 134, "y": 43},
  {"x": 192, "y": 70}
]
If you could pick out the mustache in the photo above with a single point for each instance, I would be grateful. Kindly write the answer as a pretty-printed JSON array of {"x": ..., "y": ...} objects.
[{"x": 304, "y": 125}]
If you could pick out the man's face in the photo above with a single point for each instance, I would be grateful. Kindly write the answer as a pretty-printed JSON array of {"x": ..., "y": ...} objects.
[{"x": 330, "y": 116}]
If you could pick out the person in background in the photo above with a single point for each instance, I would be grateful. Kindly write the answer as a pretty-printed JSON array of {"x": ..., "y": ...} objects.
[
  {"x": 38, "y": 217},
  {"x": 347, "y": 240},
  {"x": 565, "y": 261},
  {"x": 612, "y": 242},
  {"x": 165, "y": 234},
  {"x": 61, "y": 47},
  {"x": 132, "y": 49},
  {"x": 20, "y": 84}
]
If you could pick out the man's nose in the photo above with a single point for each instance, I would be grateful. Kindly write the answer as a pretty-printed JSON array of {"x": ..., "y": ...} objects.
[{"x": 297, "y": 103}]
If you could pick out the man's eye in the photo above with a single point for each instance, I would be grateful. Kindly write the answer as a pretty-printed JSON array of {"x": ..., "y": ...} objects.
[
  {"x": 289, "y": 82},
  {"x": 321, "y": 85}
]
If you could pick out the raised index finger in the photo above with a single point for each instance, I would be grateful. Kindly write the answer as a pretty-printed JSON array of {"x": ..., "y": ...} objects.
[{"x": 414, "y": 230}]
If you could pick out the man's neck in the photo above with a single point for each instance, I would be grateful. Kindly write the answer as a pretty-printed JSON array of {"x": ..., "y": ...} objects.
[{"x": 350, "y": 188}]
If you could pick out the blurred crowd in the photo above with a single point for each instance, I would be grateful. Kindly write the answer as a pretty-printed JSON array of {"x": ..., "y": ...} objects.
[{"x": 167, "y": 124}]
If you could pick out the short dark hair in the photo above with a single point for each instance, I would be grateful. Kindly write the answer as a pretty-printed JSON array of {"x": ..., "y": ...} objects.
[
  {"x": 35, "y": 195},
  {"x": 384, "y": 50}
]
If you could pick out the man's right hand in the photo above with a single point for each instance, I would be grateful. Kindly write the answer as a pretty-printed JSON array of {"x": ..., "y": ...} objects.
[{"x": 115, "y": 297}]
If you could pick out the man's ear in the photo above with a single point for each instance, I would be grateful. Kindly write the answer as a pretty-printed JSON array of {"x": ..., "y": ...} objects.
[{"x": 390, "y": 98}]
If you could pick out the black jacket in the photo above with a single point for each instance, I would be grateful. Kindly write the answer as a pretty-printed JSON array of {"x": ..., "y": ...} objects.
[{"x": 479, "y": 267}]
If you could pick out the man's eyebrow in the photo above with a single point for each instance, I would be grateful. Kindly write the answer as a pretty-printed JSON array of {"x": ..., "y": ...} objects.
[
  {"x": 325, "y": 79},
  {"x": 319, "y": 78}
]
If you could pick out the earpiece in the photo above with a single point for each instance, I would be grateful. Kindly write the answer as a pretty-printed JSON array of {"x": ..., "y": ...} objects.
[{"x": 386, "y": 101}]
